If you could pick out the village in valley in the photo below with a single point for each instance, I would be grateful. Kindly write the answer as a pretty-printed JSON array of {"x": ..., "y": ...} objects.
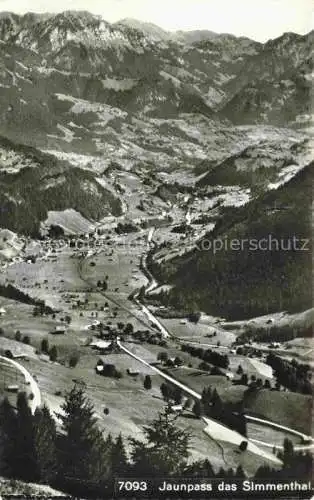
[
  {"x": 86, "y": 314},
  {"x": 156, "y": 317}
]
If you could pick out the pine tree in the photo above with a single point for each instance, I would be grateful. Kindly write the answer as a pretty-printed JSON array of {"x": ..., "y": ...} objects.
[
  {"x": 288, "y": 452},
  {"x": 207, "y": 400},
  {"x": 201, "y": 468},
  {"x": 118, "y": 458},
  {"x": 217, "y": 408},
  {"x": 165, "y": 450},
  {"x": 164, "y": 389},
  {"x": 147, "y": 382},
  {"x": 25, "y": 460},
  {"x": 45, "y": 437},
  {"x": 83, "y": 457},
  {"x": 8, "y": 433},
  {"x": 45, "y": 346},
  {"x": 53, "y": 353}
]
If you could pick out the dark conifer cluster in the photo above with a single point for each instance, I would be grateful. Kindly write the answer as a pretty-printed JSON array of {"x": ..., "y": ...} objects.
[{"x": 79, "y": 459}]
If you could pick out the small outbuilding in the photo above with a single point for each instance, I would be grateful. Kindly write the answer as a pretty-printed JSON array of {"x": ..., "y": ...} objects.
[{"x": 59, "y": 330}]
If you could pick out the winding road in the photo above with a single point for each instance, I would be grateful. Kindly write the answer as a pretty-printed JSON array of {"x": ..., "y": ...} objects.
[{"x": 213, "y": 427}]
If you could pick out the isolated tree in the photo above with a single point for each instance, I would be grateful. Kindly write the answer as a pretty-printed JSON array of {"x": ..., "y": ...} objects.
[
  {"x": 267, "y": 384},
  {"x": 239, "y": 370},
  {"x": 18, "y": 335},
  {"x": 45, "y": 437},
  {"x": 129, "y": 329},
  {"x": 164, "y": 389},
  {"x": 147, "y": 382},
  {"x": 68, "y": 319},
  {"x": 243, "y": 445},
  {"x": 194, "y": 317},
  {"x": 165, "y": 450},
  {"x": 207, "y": 400},
  {"x": 83, "y": 456},
  {"x": 44, "y": 346},
  {"x": 53, "y": 353},
  {"x": 217, "y": 407},
  {"x": 244, "y": 379}
]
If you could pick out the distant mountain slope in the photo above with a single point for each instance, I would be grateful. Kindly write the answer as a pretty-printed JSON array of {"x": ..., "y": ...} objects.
[
  {"x": 252, "y": 281},
  {"x": 143, "y": 71},
  {"x": 33, "y": 183},
  {"x": 276, "y": 84},
  {"x": 257, "y": 166}
]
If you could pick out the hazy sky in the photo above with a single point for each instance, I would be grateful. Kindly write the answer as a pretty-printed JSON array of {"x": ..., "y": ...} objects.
[{"x": 258, "y": 19}]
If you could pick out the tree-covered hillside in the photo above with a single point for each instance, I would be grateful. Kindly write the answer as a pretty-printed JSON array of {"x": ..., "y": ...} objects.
[{"x": 245, "y": 281}]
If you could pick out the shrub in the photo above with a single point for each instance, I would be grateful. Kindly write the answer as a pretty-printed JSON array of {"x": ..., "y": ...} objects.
[{"x": 26, "y": 340}]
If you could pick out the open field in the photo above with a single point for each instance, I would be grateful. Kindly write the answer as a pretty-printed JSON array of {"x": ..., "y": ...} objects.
[
  {"x": 130, "y": 405},
  {"x": 198, "y": 379},
  {"x": 202, "y": 332},
  {"x": 286, "y": 408},
  {"x": 270, "y": 435},
  {"x": 62, "y": 283}
]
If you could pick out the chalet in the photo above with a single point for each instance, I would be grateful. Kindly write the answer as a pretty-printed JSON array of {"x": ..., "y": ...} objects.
[
  {"x": 132, "y": 373},
  {"x": 99, "y": 368},
  {"x": 2, "y": 311},
  {"x": 103, "y": 346},
  {"x": 176, "y": 408},
  {"x": 58, "y": 330},
  {"x": 12, "y": 388}
]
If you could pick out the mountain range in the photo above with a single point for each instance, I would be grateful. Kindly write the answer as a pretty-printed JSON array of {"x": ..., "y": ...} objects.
[{"x": 200, "y": 107}]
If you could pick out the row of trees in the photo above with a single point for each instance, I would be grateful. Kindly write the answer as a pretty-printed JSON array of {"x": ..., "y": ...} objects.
[
  {"x": 171, "y": 393},
  {"x": 84, "y": 462},
  {"x": 212, "y": 406},
  {"x": 207, "y": 355},
  {"x": 293, "y": 375},
  {"x": 52, "y": 351}
]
